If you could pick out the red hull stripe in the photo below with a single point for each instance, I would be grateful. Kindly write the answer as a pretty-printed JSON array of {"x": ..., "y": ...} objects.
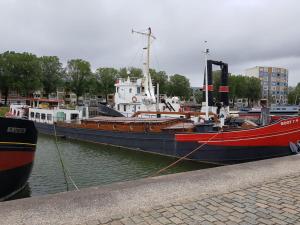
[
  {"x": 13, "y": 159},
  {"x": 210, "y": 87},
  {"x": 223, "y": 89},
  {"x": 281, "y": 139},
  {"x": 277, "y": 134}
]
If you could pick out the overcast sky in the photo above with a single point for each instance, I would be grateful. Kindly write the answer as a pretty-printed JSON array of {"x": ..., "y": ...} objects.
[{"x": 243, "y": 33}]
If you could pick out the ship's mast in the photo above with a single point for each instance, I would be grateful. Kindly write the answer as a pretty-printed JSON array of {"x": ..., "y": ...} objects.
[
  {"x": 206, "y": 51},
  {"x": 147, "y": 66}
]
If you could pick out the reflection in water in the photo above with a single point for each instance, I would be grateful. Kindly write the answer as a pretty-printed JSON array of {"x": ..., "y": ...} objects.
[{"x": 92, "y": 165}]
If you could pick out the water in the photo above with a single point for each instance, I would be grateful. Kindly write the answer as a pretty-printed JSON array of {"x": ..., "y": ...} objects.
[{"x": 93, "y": 165}]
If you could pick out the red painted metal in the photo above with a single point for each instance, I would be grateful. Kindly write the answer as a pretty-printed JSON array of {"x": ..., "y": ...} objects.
[
  {"x": 14, "y": 159},
  {"x": 223, "y": 89},
  {"x": 209, "y": 87},
  {"x": 277, "y": 134}
]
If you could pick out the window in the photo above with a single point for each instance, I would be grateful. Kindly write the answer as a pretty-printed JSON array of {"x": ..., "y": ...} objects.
[
  {"x": 37, "y": 115},
  {"x": 43, "y": 116},
  {"x": 74, "y": 116},
  {"x": 124, "y": 108},
  {"x": 138, "y": 90},
  {"x": 130, "y": 90},
  {"x": 32, "y": 114},
  {"x": 49, "y": 117}
]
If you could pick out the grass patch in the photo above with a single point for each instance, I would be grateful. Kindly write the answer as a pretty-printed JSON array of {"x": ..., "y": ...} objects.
[{"x": 3, "y": 110}]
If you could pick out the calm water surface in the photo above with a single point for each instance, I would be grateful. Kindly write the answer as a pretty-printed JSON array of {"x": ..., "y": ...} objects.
[{"x": 92, "y": 165}]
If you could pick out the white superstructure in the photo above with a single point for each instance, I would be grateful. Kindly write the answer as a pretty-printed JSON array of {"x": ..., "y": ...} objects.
[
  {"x": 48, "y": 111},
  {"x": 133, "y": 95}
]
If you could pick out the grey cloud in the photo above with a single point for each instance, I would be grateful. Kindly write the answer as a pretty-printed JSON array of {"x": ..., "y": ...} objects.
[{"x": 242, "y": 33}]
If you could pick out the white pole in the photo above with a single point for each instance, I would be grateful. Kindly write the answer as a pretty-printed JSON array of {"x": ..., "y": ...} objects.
[
  {"x": 206, "y": 83},
  {"x": 157, "y": 98}
]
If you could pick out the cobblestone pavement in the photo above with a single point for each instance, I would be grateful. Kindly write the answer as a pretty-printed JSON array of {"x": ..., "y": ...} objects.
[{"x": 275, "y": 202}]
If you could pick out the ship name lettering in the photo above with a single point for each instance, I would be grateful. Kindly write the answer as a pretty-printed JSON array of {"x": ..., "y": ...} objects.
[
  {"x": 289, "y": 122},
  {"x": 16, "y": 130}
]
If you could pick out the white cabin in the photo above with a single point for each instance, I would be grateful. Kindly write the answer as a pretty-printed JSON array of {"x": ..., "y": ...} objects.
[
  {"x": 131, "y": 96},
  {"x": 49, "y": 111}
]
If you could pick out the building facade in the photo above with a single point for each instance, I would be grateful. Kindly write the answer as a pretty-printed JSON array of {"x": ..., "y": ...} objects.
[{"x": 274, "y": 83}]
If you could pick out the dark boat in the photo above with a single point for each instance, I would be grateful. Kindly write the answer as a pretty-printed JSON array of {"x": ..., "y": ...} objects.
[
  {"x": 18, "y": 139},
  {"x": 217, "y": 142},
  {"x": 178, "y": 138},
  {"x": 278, "y": 139}
]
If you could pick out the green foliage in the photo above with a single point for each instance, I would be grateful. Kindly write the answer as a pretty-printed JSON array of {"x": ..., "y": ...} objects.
[
  {"x": 179, "y": 86},
  {"x": 20, "y": 71},
  {"x": 52, "y": 73},
  {"x": 78, "y": 76},
  {"x": 198, "y": 95},
  {"x": 130, "y": 72},
  {"x": 160, "y": 78},
  {"x": 253, "y": 89},
  {"x": 3, "y": 111},
  {"x": 294, "y": 95},
  {"x": 107, "y": 78},
  {"x": 244, "y": 87},
  {"x": 216, "y": 84}
]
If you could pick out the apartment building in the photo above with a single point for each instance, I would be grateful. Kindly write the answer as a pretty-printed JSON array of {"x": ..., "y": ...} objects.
[{"x": 274, "y": 83}]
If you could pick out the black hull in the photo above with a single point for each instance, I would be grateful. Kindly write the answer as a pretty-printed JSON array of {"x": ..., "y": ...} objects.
[
  {"x": 14, "y": 180},
  {"x": 17, "y": 147},
  {"x": 165, "y": 144}
]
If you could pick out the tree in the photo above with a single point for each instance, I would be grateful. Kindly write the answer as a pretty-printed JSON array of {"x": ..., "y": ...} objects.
[
  {"x": 78, "y": 76},
  {"x": 179, "y": 86},
  {"x": 160, "y": 78},
  {"x": 216, "y": 76},
  {"x": 294, "y": 95},
  {"x": 130, "y": 72},
  {"x": 6, "y": 76},
  {"x": 253, "y": 89},
  {"x": 52, "y": 73},
  {"x": 20, "y": 71},
  {"x": 198, "y": 94},
  {"x": 107, "y": 78},
  {"x": 28, "y": 73}
]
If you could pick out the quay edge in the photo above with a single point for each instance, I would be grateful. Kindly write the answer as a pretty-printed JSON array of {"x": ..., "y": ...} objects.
[{"x": 125, "y": 198}]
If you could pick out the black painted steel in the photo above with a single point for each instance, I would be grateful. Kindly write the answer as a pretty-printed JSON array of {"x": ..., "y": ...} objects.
[
  {"x": 16, "y": 135},
  {"x": 14, "y": 180},
  {"x": 224, "y": 98},
  {"x": 165, "y": 144}
]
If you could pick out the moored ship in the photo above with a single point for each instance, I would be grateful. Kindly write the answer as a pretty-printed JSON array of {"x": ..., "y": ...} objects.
[{"x": 18, "y": 139}]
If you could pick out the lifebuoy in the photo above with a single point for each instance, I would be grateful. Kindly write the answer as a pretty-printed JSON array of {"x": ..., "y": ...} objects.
[{"x": 134, "y": 99}]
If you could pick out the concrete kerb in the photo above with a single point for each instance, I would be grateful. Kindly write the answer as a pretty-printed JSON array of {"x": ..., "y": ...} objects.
[{"x": 126, "y": 198}]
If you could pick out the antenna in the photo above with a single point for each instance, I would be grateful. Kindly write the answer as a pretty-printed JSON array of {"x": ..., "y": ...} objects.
[
  {"x": 147, "y": 63},
  {"x": 206, "y": 52}
]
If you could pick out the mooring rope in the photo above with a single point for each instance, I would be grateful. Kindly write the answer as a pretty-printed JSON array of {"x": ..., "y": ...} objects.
[
  {"x": 65, "y": 169},
  {"x": 182, "y": 158}
]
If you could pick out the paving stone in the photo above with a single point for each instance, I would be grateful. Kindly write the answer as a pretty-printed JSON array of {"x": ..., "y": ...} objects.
[
  {"x": 163, "y": 220},
  {"x": 176, "y": 220},
  {"x": 93, "y": 222},
  {"x": 105, "y": 220},
  {"x": 276, "y": 202}
]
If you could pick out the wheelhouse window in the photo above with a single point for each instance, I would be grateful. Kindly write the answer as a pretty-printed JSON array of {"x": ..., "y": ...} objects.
[
  {"x": 32, "y": 114},
  {"x": 43, "y": 116},
  {"x": 37, "y": 115},
  {"x": 49, "y": 117}
]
